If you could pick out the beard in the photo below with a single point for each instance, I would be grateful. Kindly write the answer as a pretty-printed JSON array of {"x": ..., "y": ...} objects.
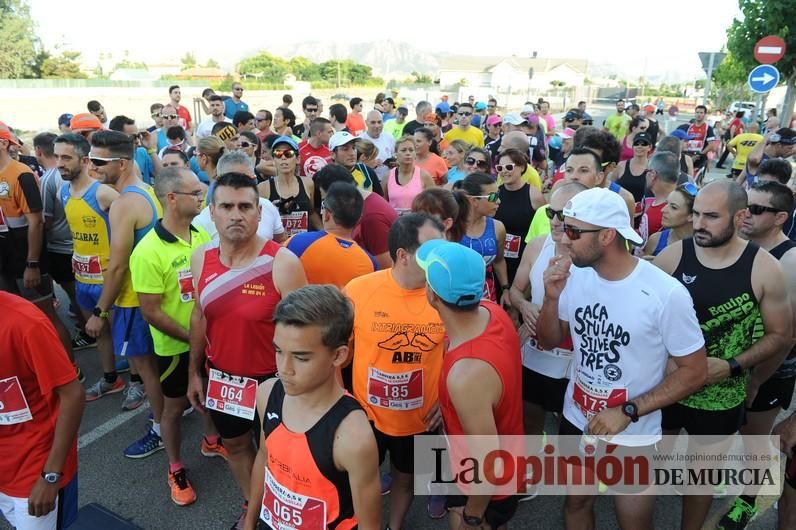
[{"x": 711, "y": 240}]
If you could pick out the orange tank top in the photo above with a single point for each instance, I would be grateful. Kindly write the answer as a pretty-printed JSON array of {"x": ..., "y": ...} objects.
[
  {"x": 303, "y": 488},
  {"x": 398, "y": 347}
]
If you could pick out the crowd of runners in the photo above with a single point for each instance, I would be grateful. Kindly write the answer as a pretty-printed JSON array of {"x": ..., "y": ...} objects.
[{"x": 322, "y": 290}]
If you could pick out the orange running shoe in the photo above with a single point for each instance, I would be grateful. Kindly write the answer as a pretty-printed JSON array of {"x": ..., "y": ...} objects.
[
  {"x": 182, "y": 492},
  {"x": 213, "y": 450}
]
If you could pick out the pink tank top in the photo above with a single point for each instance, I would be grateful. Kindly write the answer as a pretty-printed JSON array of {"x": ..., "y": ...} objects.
[
  {"x": 627, "y": 150},
  {"x": 401, "y": 196}
]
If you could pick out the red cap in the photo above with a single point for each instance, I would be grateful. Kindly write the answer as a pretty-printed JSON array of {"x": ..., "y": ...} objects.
[{"x": 85, "y": 122}]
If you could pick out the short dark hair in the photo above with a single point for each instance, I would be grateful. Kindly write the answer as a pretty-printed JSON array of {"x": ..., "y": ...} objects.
[
  {"x": 287, "y": 98},
  {"x": 781, "y": 195},
  {"x": 776, "y": 167},
  {"x": 172, "y": 88},
  {"x": 309, "y": 100},
  {"x": 236, "y": 181},
  {"x": 473, "y": 183},
  {"x": 175, "y": 151},
  {"x": 207, "y": 91},
  {"x": 45, "y": 142},
  {"x": 703, "y": 107},
  {"x": 216, "y": 97},
  {"x": 586, "y": 151},
  {"x": 318, "y": 305},
  {"x": 331, "y": 173},
  {"x": 404, "y": 232},
  {"x": 634, "y": 106},
  {"x": 354, "y": 102},
  {"x": 344, "y": 202},
  {"x": 242, "y": 117},
  {"x": 339, "y": 112},
  {"x": 77, "y": 141},
  {"x": 175, "y": 132},
  {"x": 118, "y": 143},
  {"x": 118, "y": 123},
  {"x": 317, "y": 125},
  {"x": 603, "y": 141},
  {"x": 465, "y": 104},
  {"x": 155, "y": 107},
  {"x": 93, "y": 105},
  {"x": 391, "y": 101},
  {"x": 288, "y": 115}
]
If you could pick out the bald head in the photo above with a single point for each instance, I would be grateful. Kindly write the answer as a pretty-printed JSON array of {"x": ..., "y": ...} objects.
[
  {"x": 732, "y": 193},
  {"x": 374, "y": 123},
  {"x": 563, "y": 191},
  {"x": 515, "y": 140},
  {"x": 753, "y": 127}
]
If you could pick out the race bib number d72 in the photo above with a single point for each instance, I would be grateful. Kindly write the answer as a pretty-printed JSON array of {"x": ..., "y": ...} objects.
[
  {"x": 399, "y": 391},
  {"x": 231, "y": 395},
  {"x": 295, "y": 223},
  {"x": 13, "y": 405},
  {"x": 283, "y": 509}
]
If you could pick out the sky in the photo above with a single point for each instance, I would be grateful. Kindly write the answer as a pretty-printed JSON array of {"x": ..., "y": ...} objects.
[{"x": 640, "y": 35}]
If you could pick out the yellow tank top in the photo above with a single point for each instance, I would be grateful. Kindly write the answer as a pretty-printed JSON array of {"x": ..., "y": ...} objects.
[
  {"x": 127, "y": 296},
  {"x": 91, "y": 231}
]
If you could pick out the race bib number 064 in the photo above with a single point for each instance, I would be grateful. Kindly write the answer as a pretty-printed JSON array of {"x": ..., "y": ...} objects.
[{"x": 231, "y": 395}]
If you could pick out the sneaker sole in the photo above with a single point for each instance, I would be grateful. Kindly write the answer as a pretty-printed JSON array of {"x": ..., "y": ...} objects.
[
  {"x": 144, "y": 455},
  {"x": 436, "y": 516},
  {"x": 212, "y": 454},
  {"x": 111, "y": 391},
  {"x": 128, "y": 408},
  {"x": 178, "y": 503}
]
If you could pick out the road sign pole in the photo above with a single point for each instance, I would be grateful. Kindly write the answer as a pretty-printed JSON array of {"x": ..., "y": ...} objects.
[{"x": 707, "y": 80}]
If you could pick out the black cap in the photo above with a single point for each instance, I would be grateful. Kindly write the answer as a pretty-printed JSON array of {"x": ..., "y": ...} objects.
[{"x": 642, "y": 137}]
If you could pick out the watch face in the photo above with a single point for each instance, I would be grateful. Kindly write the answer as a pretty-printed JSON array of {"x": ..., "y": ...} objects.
[{"x": 630, "y": 409}]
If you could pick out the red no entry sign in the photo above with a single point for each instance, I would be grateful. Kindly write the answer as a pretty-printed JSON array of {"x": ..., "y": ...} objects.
[{"x": 769, "y": 50}]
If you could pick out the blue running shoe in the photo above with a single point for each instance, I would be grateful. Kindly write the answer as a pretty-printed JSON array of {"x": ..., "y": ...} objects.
[
  {"x": 151, "y": 443},
  {"x": 122, "y": 366}
]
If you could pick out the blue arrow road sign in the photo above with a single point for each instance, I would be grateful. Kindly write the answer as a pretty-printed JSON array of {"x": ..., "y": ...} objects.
[{"x": 763, "y": 78}]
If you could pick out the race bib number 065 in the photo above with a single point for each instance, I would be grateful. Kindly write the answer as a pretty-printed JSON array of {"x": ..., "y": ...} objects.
[{"x": 286, "y": 510}]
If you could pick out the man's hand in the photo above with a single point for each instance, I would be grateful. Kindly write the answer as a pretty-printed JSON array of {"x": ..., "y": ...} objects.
[
  {"x": 41, "y": 500},
  {"x": 196, "y": 392},
  {"x": 608, "y": 422},
  {"x": 94, "y": 326},
  {"x": 786, "y": 430},
  {"x": 31, "y": 278},
  {"x": 718, "y": 370},
  {"x": 555, "y": 276},
  {"x": 433, "y": 418},
  {"x": 505, "y": 300},
  {"x": 530, "y": 314},
  {"x": 149, "y": 140}
]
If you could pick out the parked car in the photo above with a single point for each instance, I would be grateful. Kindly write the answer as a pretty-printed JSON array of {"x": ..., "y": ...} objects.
[{"x": 738, "y": 106}]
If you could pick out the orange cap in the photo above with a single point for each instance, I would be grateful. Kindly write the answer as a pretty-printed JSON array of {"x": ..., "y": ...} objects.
[
  {"x": 5, "y": 134},
  {"x": 85, "y": 122}
]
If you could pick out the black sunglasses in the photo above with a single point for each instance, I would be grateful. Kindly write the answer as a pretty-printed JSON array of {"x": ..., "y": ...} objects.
[
  {"x": 473, "y": 162},
  {"x": 573, "y": 233},
  {"x": 759, "y": 209},
  {"x": 245, "y": 145},
  {"x": 551, "y": 213},
  {"x": 643, "y": 144},
  {"x": 465, "y": 113}
]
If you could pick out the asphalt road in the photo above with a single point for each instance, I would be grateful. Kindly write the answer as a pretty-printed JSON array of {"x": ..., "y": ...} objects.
[{"x": 137, "y": 489}]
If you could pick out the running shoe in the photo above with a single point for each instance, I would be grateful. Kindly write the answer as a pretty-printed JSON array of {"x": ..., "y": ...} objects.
[
  {"x": 213, "y": 450},
  {"x": 134, "y": 397},
  {"x": 82, "y": 341},
  {"x": 436, "y": 506},
  {"x": 182, "y": 493},
  {"x": 149, "y": 444},
  {"x": 102, "y": 387},
  {"x": 240, "y": 524},
  {"x": 740, "y": 514},
  {"x": 531, "y": 493},
  {"x": 81, "y": 377},
  {"x": 386, "y": 483},
  {"x": 122, "y": 366}
]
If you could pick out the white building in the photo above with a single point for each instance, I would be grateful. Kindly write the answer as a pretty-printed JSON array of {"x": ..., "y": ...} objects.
[{"x": 511, "y": 73}]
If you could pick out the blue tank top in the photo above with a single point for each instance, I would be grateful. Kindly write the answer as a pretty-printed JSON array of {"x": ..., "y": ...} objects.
[
  {"x": 662, "y": 242},
  {"x": 485, "y": 244},
  {"x": 139, "y": 233}
]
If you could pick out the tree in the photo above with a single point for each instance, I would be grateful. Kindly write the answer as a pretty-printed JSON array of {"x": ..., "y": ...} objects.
[
  {"x": 761, "y": 18},
  {"x": 64, "y": 66},
  {"x": 19, "y": 45},
  {"x": 211, "y": 63},
  {"x": 729, "y": 80},
  {"x": 304, "y": 69},
  {"x": 269, "y": 68},
  {"x": 188, "y": 61}
]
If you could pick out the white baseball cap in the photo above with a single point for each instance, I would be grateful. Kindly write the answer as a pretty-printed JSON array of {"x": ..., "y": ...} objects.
[
  {"x": 604, "y": 208},
  {"x": 340, "y": 138},
  {"x": 513, "y": 119}
]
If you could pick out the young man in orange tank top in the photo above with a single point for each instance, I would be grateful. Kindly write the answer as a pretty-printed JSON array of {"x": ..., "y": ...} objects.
[{"x": 305, "y": 411}]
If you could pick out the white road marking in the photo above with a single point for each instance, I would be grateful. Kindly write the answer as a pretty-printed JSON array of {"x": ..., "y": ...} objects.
[{"x": 117, "y": 421}]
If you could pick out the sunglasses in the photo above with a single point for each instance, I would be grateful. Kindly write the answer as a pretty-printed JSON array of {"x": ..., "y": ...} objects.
[
  {"x": 492, "y": 197},
  {"x": 473, "y": 162},
  {"x": 690, "y": 188},
  {"x": 642, "y": 144},
  {"x": 284, "y": 153},
  {"x": 260, "y": 119},
  {"x": 551, "y": 213},
  {"x": 155, "y": 115},
  {"x": 245, "y": 145},
  {"x": 758, "y": 209},
  {"x": 169, "y": 116},
  {"x": 491, "y": 106},
  {"x": 508, "y": 167},
  {"x": 464, "y": 113},
  {"x": 99, "y": 161},
  {"x": 573, "y": 233},
  {"x": 195, "y": 194},
  {"x": 311, "y": 109}
]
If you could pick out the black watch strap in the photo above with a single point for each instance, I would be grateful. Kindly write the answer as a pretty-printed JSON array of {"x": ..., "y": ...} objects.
[
  {"x": 472, "y": 520},
  {"x": 735, "y": 367}
]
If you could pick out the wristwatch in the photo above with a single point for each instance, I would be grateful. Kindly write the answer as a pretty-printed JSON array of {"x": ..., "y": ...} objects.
[
  {"x": 472, "y": 520},
  {"x": 630, "y": 410},
  {"x": 51, "y": 477},
  {"x": 735, "y": 367},
  {"x": 99, "y": 312},
  {"x": 505, "y": 287},
  {"x": 31, "y": 264}
]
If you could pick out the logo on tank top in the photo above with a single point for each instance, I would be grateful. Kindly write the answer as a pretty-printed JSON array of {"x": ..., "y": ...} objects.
[
  {"x": 688, "y": 280},
  {"x": 89, "y": 221},
  {"x": 406, "y": 349},
  {"x": 272, "y": 416}
]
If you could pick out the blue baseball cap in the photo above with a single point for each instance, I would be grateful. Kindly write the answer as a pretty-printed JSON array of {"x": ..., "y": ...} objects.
[
  {"x": 443, "y": 107},
  {"x": 285, "y": 140},
  {"x": 64, "y": 119},
  {"x": 480, "y": 105},
  {"x": 681, "y": 135},
  {"x": 455, "y": 273}
]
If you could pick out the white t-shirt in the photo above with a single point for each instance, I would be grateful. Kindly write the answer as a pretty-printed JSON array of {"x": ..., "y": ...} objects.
[
  {"x": 385, "y": 144},
  {"x": 623, "y": 333},
  {"x": 270, "y": 222},
  {"x": 205, "y": 128},
  {"x": 554, "y": 363}
]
